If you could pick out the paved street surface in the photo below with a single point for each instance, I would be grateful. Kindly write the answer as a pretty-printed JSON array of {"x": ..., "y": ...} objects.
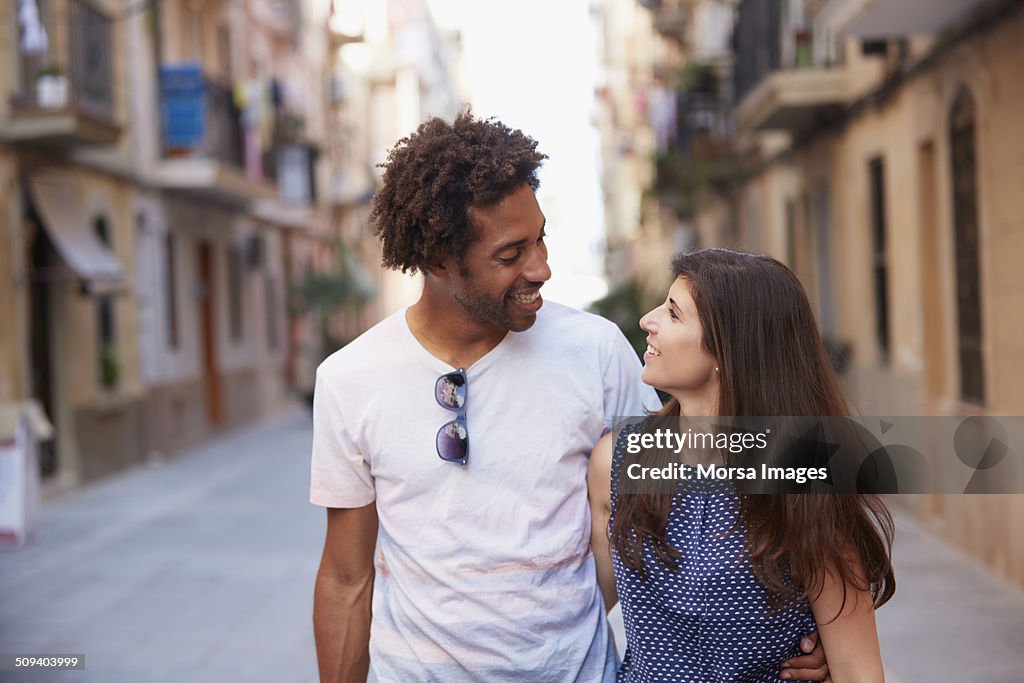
[
  {"x": 950, "y": 620},
  {"x": 201, "y": 569},
  {"x": 197, "y": 570}
]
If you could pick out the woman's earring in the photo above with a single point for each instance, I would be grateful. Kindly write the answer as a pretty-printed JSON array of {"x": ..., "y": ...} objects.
[{"x": 716, "y": 368}]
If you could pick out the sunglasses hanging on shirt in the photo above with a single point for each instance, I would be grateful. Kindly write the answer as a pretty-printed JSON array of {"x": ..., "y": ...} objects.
[{"x": 452, "y": 438}]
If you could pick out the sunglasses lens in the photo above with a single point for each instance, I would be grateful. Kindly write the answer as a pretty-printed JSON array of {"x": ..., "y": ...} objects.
[
  {"x": 453, "y": 441},
  {"x": 450, "y": 390}
]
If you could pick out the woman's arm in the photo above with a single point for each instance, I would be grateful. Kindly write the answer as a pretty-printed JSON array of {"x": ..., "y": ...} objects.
[
  {"x": 599, "y": 486},
  {"x": 850, "y": 640}
]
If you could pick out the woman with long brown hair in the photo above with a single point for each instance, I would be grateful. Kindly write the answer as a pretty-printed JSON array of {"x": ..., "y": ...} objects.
[{"x": 716, "y": 586}]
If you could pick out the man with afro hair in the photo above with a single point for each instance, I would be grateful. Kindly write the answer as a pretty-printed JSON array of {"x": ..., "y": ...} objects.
[
  {"x": 433, "y": 177},
  {"x": 451, "y": 440}
]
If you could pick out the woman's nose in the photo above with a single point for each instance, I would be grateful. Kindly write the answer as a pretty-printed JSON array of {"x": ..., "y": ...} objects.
[{"x": 647, "y": 322}]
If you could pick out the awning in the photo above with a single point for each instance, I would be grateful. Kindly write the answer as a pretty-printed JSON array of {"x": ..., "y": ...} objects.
[{"x": 54, "y": 199}]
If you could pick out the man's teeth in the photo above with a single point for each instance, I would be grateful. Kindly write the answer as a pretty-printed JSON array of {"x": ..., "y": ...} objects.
[
  {"x": 526, "y": 298},
  {"x": 653, "y": 351}
]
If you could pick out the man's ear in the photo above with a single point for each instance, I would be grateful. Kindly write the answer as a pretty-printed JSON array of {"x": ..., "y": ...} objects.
[{"x": 442, "y": 269}]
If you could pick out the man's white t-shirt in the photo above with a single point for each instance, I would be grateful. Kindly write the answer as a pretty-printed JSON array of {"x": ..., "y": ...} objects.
[{"x": 484, "y": 571}]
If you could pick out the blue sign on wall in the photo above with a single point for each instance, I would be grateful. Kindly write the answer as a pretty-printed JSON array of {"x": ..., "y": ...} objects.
[{"x": 183, "y": 105}]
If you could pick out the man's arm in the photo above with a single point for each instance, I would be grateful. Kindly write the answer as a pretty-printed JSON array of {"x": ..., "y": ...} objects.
[
  {"x": 342, "y": 597},
  {"x": 599, "y": 487}
]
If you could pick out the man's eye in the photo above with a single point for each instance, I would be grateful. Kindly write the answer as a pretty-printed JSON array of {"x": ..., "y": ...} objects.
[
  {"x": 541, "y": 238},
  {"x": 511, "y": 259}
]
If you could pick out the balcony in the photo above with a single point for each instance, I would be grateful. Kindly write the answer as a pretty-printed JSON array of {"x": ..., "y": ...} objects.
[
  {"x": 73, "y": 105},
  {"x": 346, "y": 24},
  {"x": 793, "y": 100},
  {"x": 669, "y": 17},
  {"x": 779, "y": 86},
  {"x": 340, "y": 38},
  {"x": 294, "y": 165},
  {"x": 883, "y": 19},
  {"x": 203, "y": 140},
  {"x": 699, "y": 155},
  {"x": 671, "y": 21}
]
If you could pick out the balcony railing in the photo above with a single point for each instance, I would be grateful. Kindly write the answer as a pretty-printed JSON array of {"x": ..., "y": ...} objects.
[
  {"x": 91, "y": 60},
  {"x": 756, "y": 41},
  {"x": 210, "y": 146},
  {"x": 200, "y": 119},
  {"x": 82, "y": 79},
  {"x": 293, "y": 168},
  {"x": 782, "y": 82},
  {"x": 701, "y": 155},
  {"x": 223, "y": 139}
]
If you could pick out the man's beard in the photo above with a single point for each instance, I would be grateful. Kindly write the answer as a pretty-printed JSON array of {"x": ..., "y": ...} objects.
[{"x": 490, "y": 310}]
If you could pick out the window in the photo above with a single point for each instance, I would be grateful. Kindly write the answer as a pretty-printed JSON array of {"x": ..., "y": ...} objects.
[
  {"x": 107, "y": 362},
  {"x": 880, "y": 272},
  {"x": 171, "y": 289},
  {"x": 967, "y": 249},
  {"x": 235, "y": 292}
]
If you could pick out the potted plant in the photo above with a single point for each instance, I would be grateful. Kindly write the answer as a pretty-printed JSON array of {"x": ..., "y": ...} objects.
[
  {"x": 51, "y": 88},
  {"x": 110, "y": 366}
]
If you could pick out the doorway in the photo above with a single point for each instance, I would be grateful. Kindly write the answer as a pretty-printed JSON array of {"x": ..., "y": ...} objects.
[
  {"x": 207, "y": 314},
  {"x": 46, "y": 265}
]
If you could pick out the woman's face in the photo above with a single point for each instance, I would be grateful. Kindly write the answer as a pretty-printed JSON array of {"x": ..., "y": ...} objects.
[{"x": 676, "y": 361}]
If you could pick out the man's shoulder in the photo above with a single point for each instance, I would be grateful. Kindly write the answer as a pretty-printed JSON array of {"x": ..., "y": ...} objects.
[
  {"x": 562, "y": 318},
  {"x": 363, "y": 353}
]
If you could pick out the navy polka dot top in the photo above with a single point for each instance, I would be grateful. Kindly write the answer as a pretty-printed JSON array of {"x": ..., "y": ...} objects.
[{"x": 709, "y": 621}]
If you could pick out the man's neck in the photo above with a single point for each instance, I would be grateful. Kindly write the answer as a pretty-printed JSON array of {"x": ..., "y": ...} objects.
[{"x": 449, "y": 335}]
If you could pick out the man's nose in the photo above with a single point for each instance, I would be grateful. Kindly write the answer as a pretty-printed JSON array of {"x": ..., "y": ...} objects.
[{"x": 537, "y": 269}]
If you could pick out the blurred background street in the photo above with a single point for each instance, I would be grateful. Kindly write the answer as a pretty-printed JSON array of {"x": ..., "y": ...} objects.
[
  {"x": 185, "y": 191},
  {"x": 198, "y": 569}
]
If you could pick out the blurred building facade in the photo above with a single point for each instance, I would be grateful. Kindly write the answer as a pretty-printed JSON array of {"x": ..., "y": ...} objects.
[
  {"x": 663, "y": 112},
  {"x": 628, "y": 139},
  {"x": 69, "y": 231},
  {"x": 393, "y": 68},
  {"x": 229, "y": 179},
  {"x": 180, "y": 182},
  {"x": 874, "y": 147}
]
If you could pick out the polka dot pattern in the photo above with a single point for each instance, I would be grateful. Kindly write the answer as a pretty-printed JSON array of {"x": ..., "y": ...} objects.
[{"x": 708, "y": 621}]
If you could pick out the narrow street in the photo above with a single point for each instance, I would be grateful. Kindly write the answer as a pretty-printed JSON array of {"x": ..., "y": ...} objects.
[
  {"x": 197, "y": 570},
  {"x": 950, "y": 620},
  {"x": 201, "y": 569}
]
